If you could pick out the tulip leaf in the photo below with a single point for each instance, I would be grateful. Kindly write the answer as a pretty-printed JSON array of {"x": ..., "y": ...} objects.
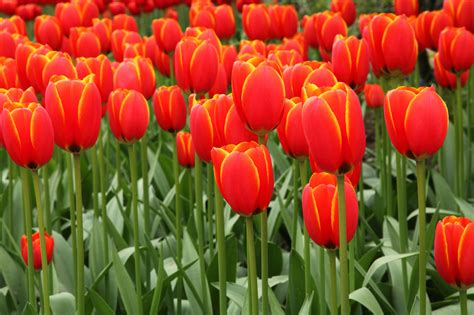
[
  {"x": 125, "y": 284},
  {"x": 14, "y": 278},
  {"x": 296, "y": 282},
  {"x": 366, "y": 298},
  {"x": 63, "y": 303},
  {"x": 382, "y": 261},
  {"x": 100, "y": 304}
]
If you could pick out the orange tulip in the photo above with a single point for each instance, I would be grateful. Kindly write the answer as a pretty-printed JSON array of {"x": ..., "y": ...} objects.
[
  {"x": 229, "y": 55},
  {"x": 374, "y": 95},
  {"x": 75, "y": 110},
  {"x": 128, "y": 115},
  {"x": 447, "y": 79},
  {"x": 136, "y": 74},
  {"x": 9, "y": 77},
  {"x": 461, "y": 11},
  {"x": 119, "y": 39},
  {"x": 42, "y": 67},
  {"x": 320, "y": 210},
  {"x": 124, "y": 22},
  {"x": 453, "y": 251},
  {"x": 244, "y": 175},
  {"x": 167, "y": 33},
  {"x": 308, "y": 25},
  {"x": 256, "y": 22},
  {"x": 290, "y": 132},
  {"x": 195, "y": 64},
  {"x": 455, "y": 49},
  {"x": 48, "y": 31},
  {"x": 84, "y": 42},
  {"x": 347, "y": 9},
  {"x": 185, "y": 149},
  {"x": 225, "y": 21},
  {"x": 75, "y": 14},
  {"x": 170, "y": 108},
  {"x": 27, "y": 134},
  {"x": 13, "y": 24},
  {"x": 416, "y": 120},
  {"x": 103, "y": 29},
  {"x": 9, "y": 42},
  {"x": 350, "y": 61},
  {"x": 37, "y": 249},
  {"x": 259, "y": 95},
  {"x": 338, "y": 144},
  {"x": 283, "y": 20},
  {"x": 101, "y": 67},
  {"x": 285, "y": 57},
  {"x": 294, "y": 77},
  {"x": 327, "y": 25},
  {"x": 428, "y": 27},
  {"x": 406, "y": 7},
  {"x": 392, "y": 43}
]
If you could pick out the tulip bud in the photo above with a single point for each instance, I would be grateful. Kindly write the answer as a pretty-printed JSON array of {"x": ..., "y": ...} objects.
[
  {"x": 48, "y": 31},
  {"x": 283, "y": 20},
  {"x": 256, "y": 22},
  {"x": 136, "y": 74},
  {"x": 321, "y": 213},
  {"x": 170, "y": 108},
  {"x": 456, "y": 47},
  {"x": 461, "y": 11},
  {"x": 374, "y": 95},
  {"x": 185, "y": 149},
  {"x": 347, "y": 9},
  {"x": 124, "y": 22},
  {"x": 101, "y": 67},
  {"x": 428, "y": 27},
  {"x": 327, "y": 25},
  {"x": 225, "y": 21},
  {"x": 49, "y": 240},
  {"x": 447, "y": 79},
  {"x": 290, "y": 133},
  {"x": 84, "y": 42},
  {"x": 119, "y": 39},
  {"x": 167, "y": 33},
  {"x": 417, "y": 121},
  {"x": 406, "y": 7},
  {"x": 103, "y": 29},
  {"x": 244, "y": 175},
  {"x": 9, "y": 77},
  {"x": 308, "y": 25}
]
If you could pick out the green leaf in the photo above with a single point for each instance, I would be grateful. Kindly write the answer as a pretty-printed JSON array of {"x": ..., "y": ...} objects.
[
  {"x": 125, "y": 285},
  {"x": 364, "y": 297},
  {"x": 100, "y": 304},
  {"x": 15, "y": 279},
  {"x": 296, "y": 282},
  {"x": 306, "y": 308},
  {"x": 275, "y": 307},
  {"x": 381, "y": 262},
  {"x": 63, "y": 303}
]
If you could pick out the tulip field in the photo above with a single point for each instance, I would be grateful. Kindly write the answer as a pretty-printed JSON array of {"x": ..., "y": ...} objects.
[{"x": 236, "y": 157}]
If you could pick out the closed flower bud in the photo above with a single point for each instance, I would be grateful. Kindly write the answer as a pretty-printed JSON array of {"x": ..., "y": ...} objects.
[
  {"x": 290, "y": 133},
  {"x": 170, "y": 108},
  {"x": 456, "y": 46},
  {"x": 167, "y": 33},
  {"x": 185, "y": 147},
  {"x": 49, "y": 240},
  {"x": 48, "y": 31},
  {"x": 374, "y": 95}
]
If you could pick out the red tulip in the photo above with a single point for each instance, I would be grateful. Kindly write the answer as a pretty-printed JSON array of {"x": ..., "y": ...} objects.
[
  {"x": 461, "y": 11},
  {"x": 75, "y": 110},
  {"x": 136, "y": 74},
  {"x": 13, "y": 24},
  {"x": 283, "y": 20},
  {"x": 318, "y": 78},
  {"x": 48, "y": 31},
  {"x": 37, "y": 249},
  {"x": 229, "y": 55},
  {"x": 170, "y": 108},
  {"x": 406, "y": 7},
  {"x": 447, "y": 79},
  {"x": 225, "y": 21},
  {"x": 185, "y": 149},
  {"x": 374, "y": 95},
  {"x": 167, "y": 33},
  {"x": 9, "y": 42},
  {"x": 22, "y": 56},
  {"x": 235, "y": 131},
  {"x": 259, "y": 95},
  {"x": 456, "y": 46},
  {"x": 9, "y": 77},
  {"x": 327, "y": 25},
  {"x": 308, "y": 25},
  {"x": 128, "y": 115},
  {"x": 364, "y": 21},
  {"x": 320, "y": 210},
  {"x": 119, "y": 39},
  {"x": 101, "y": 67},
  {"x": 428, "y": 27},
  {"x": 244, "y": 175},
  {"x": 417, "y": 121},
  {"x": 117, "y": 8},
  {"x": 347, "y": 9},
  {"x": 195, "y": 64},
  {"x": 285, "y": 57},
  {"x": 338, "y": 144},
  {"x": 103, "y": 29},
  {"x": 201, "y": 14},
  {"x": 350, "y": 61},
  {"x": 76, "y": 13},
  {"x": 84, "y": 42},
  {"x": 256, "y": 22},
  {"x": 392, "y": 43},
  {"x": 290, "y": 133},
  {"x": 28, "y": 11},
  {"x": 294, "y": 77},
  {"x": 124, "y": 22}
]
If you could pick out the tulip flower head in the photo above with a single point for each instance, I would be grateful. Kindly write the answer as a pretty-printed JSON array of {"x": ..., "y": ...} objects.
[
  {"x": 456, "y": 46},
  {"x": 167, "y": 33},
  {"x": 428, "y": 27},
  {"x": 374, "y": 95},
  {"x": 321, "y": 213},
  {"x": 48, "y": 31},
  {"x": 445, "y": 78},
  {"x": 185, "y": 147},
  {"x": 454, "y": 251},
  {"x": 416, "y": 120},
  {"x": 170, "y": 108},
  {"x": 461, "y": 11},
  {"x": 37, "y": 249},
  {"x": 290, "y": 133},
  {"x": 244, "y": 175},
  {"x": 347, "y": 9}
]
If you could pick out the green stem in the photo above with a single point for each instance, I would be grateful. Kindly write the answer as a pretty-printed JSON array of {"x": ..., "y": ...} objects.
[
  {"x": 47, "y": 201},
  {"x": 361, "y": 203},
  {"x": 344, "y": 278},
  {"x": 389, "y": 193},
  {"x": 146, "y": 203},
  {"x": 117, "y": 164},
  {"x": 95, "y": 181},
  {"x": 307, "y": 244},
  {"x": 460, "y": 133},
  {"x": 332, "y": 267},
  {"x": 322, "y": 281},
  {"x": 178, "y": 226},
  {"x": 136, "y": 236},
  {"x": 44, "y": 258},
  {"x": 402, "y": 216},
  {"x": 28, "y": 225},
  {"x": 380, "y": 156},
  {"x": 210, "y": 208},
  {"x": 264, "y": 260},
  {"x": 72, "y": 211},
  {"x": 221, "y": 252},
  {"x": 103, "y": 207},
  {"x": 251, "y": 266},
  {"x": 80, "y": 238},
  {"x": 420, "y": 175},
  {"x": 200, "y": 227},
  {"x": 295, "y": 204},
  {"x": 463, "y": 301}
]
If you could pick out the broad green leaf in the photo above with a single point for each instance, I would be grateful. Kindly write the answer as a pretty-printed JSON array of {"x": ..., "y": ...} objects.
[
  {"x": 381, "y": 262},
  {"x": 63, "y": 303},
  {"x": 306, "y": 308},
  {"x": 100, "y": 304},
  {"x": 296, "y": 282},
  {"x": 125, "y": 285},
  {"x": 14, "y": 277},
  {"x": 364, "y": 297}
]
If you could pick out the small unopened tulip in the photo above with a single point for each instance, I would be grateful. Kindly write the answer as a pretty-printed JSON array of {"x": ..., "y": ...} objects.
[
  {"x": 170, "y": 108},
  {"x": 185, "y": 147},
  {"x": 37, "y": 249},
  {"x": 290, "y": 133},
  {"x": 347, "y": 9},
  {"x": 406, "y": 7},
  {"x": 167, "y": 33},
  {"x": 48, "y": 31},
  {"x": 374, "y": 95},
  {"x": 456, "y": 47}
]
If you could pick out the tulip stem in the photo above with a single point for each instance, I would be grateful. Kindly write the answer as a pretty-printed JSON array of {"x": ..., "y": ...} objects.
[
  {"x": 28, "y": 227},
  {"x": 47, "y": 201},
  {"x": 200, "y": 226},
  {"x": 72, "y": 211},
  {"x": 146, "y": 202},
  {"x": 463, "y": 301},
  {"x": 117, "y": 165},
  {"x": 264, "y": 249},
  {"x": 294, "y": 231},
  {"x": 460, "y": 138},
  {"x": 251, "y": 266},
  {"x": 95, "y": 182},
  {"x": 420, "y": 175},
  {"x": 80, "y": 237},
  {"x": 136, "y": 237},
  {"x": 307, "y": 244},
  {"x": 221, "y": 253},
  {"x": 402, "y": 215},
  {"x": 380, "y": 154},
  {"x": 322, "y": 282},
  {"x": 44, "y": 257},
  {"x": 344, "y": 278},
  {"x": 103, "y": 206},
  {"x": 332, "y": 267},
  {"x": 210, "y": 208}
]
